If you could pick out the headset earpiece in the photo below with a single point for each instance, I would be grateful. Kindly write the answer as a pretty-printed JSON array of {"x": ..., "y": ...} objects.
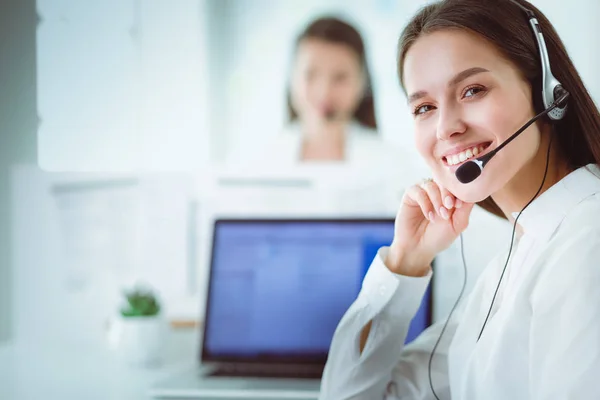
[
  {"x": 557, "y": 98},
  {"x": 552, "y": 89}
]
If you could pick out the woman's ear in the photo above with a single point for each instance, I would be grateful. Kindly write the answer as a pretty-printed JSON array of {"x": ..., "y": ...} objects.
[{"x": 365, "y": 87}]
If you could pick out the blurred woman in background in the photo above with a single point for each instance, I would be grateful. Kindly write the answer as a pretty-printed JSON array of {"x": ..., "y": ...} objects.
[
  {"x": 330, "y": 102},
  {"x": 331, "y": 106},
  {"x": 332, "y": 122}
]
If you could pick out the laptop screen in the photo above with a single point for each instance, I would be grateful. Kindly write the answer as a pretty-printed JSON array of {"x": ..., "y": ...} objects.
[{"x": 278, "y": 288}]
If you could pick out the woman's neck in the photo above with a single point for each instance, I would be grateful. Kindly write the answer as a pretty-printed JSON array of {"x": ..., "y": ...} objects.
[
  {"x": 514, "y": 196},
  {"x": 324, "y": 131},
  {"x": 325, "y": 142}
]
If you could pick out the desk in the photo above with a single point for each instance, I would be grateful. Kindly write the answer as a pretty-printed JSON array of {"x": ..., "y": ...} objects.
[{"x": 61, "y": 372}]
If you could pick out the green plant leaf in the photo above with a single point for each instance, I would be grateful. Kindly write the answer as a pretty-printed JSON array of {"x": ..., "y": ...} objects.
[{"x": 140, "y": 302}]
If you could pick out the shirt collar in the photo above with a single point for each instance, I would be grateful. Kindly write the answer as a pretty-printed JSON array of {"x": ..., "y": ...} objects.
[{"x": 543, "y": 216}]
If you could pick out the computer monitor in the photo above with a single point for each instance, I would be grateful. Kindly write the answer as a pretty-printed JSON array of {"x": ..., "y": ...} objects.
[{"x": 279, "y": 287}]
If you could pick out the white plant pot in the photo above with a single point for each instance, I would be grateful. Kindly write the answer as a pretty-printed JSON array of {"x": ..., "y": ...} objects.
[{"x": 139, "y": 341}]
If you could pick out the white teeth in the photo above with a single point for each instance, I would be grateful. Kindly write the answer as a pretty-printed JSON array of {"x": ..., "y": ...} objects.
[{"x": 464, "y": 155}]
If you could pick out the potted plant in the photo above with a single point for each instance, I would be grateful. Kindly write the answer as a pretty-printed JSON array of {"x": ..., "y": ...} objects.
[{"x": 139, "y": 333}]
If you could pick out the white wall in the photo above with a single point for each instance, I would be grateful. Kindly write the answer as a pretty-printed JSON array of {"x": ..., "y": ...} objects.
[{"x": 122, "y": 85}]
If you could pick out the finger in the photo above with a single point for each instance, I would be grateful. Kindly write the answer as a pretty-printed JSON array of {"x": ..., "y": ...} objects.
[
  {"x": 419, "y": 197},
  {"x": 448, "y": 199},
  {"x": 435, "y": 195}
]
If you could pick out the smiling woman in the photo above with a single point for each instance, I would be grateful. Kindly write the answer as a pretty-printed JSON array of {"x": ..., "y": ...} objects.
[
  {"x": 475, "y": 72},
  {"x": 463, "y": 106}
]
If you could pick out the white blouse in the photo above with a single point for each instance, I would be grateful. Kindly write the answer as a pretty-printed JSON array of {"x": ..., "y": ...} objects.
[{"x": 542, "y": 340}]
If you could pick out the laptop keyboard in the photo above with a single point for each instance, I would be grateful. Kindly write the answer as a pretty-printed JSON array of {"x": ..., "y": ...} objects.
[{"x": 268, "y": 371}]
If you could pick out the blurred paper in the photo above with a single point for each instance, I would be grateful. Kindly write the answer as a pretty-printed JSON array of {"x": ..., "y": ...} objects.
[
  {"x": 129, "y": 230},
  {"x": 99, "y": 223}
]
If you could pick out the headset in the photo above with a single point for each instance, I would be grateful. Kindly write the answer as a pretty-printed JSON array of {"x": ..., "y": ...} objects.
[{"x": 554, "y": 98}]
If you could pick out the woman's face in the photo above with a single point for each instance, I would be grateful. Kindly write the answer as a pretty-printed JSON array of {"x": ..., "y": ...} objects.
[
  {"x": 327, "y": 81},
  {"x": 466, "y": 100}
]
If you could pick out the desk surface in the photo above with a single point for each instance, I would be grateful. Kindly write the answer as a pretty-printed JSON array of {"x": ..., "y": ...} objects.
[
  {"x": 60, "y": 372},
  {"x": 65, "y": 372}
]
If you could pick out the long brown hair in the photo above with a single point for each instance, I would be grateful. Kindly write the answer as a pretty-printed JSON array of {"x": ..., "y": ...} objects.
[
  {"x": 334, "y": 30},
  {"x": 506, "y": 26}
]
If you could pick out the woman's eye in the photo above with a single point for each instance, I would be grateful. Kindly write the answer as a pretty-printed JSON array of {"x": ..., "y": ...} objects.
[
  {"x": 472, "y": 91},
  {"x": 422, "y": 109}
]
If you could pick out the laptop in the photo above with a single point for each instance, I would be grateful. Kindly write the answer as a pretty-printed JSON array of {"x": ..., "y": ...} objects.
[{"x": 277, "y": 290}]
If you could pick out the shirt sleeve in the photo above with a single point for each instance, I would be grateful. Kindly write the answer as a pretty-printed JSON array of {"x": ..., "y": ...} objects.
[
  {"x": 386, "y": 368},
  {"x": 565, "y": 328}
]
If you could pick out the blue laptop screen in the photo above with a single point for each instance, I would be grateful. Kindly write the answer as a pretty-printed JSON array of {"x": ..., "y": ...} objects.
[{"x": 280, "y": 287}]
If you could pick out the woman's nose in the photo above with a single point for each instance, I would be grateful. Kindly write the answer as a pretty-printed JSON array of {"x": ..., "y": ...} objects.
[
  {"x": 322, "y": 92},
  {"x": 450, "y": 124}
]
